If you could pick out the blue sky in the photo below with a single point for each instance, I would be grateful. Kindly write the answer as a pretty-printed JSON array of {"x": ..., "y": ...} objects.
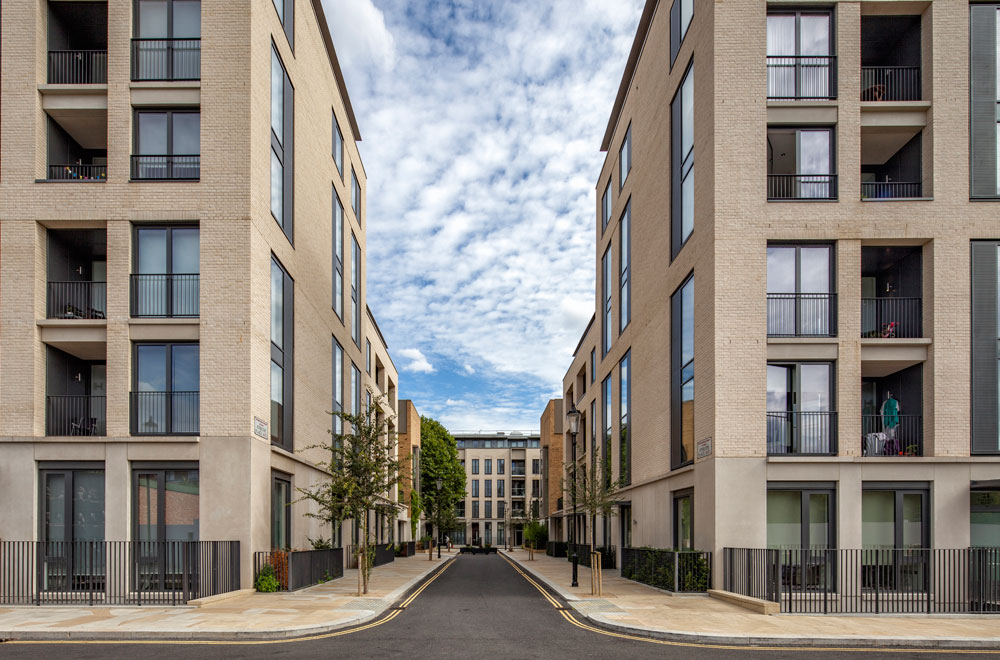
[{"x": 482, "y": 122}]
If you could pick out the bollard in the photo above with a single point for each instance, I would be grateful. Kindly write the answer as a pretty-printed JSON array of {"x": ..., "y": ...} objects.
[{"x": 575, "y": 560}]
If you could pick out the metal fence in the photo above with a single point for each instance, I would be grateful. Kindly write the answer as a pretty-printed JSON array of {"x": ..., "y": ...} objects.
[
  {"x": 609, "y": 555},
  {"x": 890, "y": 83},
  {"x": 801, "y": 186},
  {"x": 166, "y": 59},
  {"x": 77, "y": 300},
  {"x": 80, "y": 414},
  {"x": 77, "y": 172},
  {"x": 893, "y": 435},
  {"x": 868, "y": 581},
  {"x": 674, "y": 570},
  {"x": 166, "y": 167},
  {"x": 301, "y": 568},
  {"x": 116, "y": 572},
  {"x": 801, "y": 315},
  {"x": 801, "y": 77},
  {"x": 891, "y": 189},
  {"x": 891, "y": 318},
  {"x": 801, "y": 432},
  {"x": 556, "y": 548},
  {"x": 78, "y": 67},
  {"x": 168, "y": 295},
  {"x": 165, "y": 413}
]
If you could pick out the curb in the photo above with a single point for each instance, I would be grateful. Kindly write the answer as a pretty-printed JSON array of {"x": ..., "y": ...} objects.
[
  {"x": 723, "y": 639},
  {"x": 195, "y": 637}
]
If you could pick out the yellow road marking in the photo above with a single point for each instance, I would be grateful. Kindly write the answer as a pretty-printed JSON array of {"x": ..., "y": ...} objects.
[
  {"x": 733, "y": 647},
  {"x": 338, "y": 633}
]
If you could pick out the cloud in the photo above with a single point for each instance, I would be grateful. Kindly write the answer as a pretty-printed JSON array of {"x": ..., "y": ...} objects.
[
  {"x": 418, "y": 362},
  {"x": 482, "y": 122}
]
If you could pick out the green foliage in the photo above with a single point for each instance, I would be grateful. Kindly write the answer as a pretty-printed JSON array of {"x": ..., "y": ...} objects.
[
  {"x": 536, "y": 534},
  {"x": 416, "y": 509},
  {"x": 439, "y": 460},
  {"x": 655, "y": 567},
  {"x": 321, "y": 543},
  {"x": 266, "y": 581}
]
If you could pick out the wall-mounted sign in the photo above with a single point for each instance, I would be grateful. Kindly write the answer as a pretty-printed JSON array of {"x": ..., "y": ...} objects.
[
  {"x": 260, "y": 427},
  {"x": 704, "y": 448}
]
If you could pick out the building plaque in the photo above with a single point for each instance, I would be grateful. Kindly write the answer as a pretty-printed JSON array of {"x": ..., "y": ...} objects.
[
  {"x": 260, "y": 427},
  {"x": 704, "y": 448}
]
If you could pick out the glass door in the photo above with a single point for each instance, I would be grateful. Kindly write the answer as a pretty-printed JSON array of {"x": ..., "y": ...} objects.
[
  {"x": 73, "y": 530},
  {"x": 779, "y": 409}
]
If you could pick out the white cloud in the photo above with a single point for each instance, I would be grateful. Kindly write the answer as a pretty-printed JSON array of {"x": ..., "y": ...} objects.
[
  {"x": 468, "y": 369},
  {"x": 418, "y": 362},
  {"x": 361, "y": 37}
]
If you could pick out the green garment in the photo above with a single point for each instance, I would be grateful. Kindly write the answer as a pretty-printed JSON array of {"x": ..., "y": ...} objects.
[{"x": 890, "y": 413}]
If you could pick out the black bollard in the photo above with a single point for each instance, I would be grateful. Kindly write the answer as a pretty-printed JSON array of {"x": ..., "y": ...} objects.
[{"x": 576, "y": 559}]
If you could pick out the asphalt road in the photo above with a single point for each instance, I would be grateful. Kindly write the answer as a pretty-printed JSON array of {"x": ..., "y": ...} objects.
[{"x": 479, "y": 607}]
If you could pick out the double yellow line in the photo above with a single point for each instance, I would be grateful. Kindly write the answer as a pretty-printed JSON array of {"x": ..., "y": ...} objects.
[
  {"x": 339, "y": 633},
  {"x": 566, "y": 614}
]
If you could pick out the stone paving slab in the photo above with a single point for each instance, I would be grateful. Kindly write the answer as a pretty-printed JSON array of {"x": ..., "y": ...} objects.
[
  {"x": 630, "y": 607},
  {"x": 314, "y": 610}
]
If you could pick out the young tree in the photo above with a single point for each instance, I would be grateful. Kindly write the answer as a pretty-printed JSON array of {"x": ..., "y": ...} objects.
[
  {"x": 439, "y": 460},
  {"x": 596, "y": 493},
  {"x": 363, "y": 469}
]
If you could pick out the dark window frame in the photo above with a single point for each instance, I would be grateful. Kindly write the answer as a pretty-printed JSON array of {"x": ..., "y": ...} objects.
[
  {"x": 805, "y": 489},
  {"x": 168, "y": 378},
  {"x": 338, "y": 145},
  {"x": 161, "y": 468},
  {"x": 606, "y": 205},
  {"x": 899, "y": 489},
  {"x": 984, "y": 267},
  {"x": 284, "y": 149},
  {"x": 284, "y": 357},
  {"x": 607, "y": 308},
  {"x": 338, "y": 255},
  {"x": 681, "y": 166},
  {"x": 677, "y": 497},
  {"x": 287, "y": 20},
  {"x": 287, "y": 480},
  {"x": 169, "y": 257},
  {"x": 68, "y": 469},
  {"x": 984, "y": 102},
  {"x": 338, "y": 378},
  {"x": 677, "y": 380},
  {"x": 169, "y": 111},
  {"x": 625, "y": 418},
  {"x": 798, "y": 12},
  {"x": 678, "y": 32},
  {"x": 356, "y": 277},
  {"x": 475, "y": 466},
  {"x": 832, "y": 275},
  {"x": 625, "y": 268},
  {"x": 626, "y": 150},
  {"x": 832, "y": 173}
]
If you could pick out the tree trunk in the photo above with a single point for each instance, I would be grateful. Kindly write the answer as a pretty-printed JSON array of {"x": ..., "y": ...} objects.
[{"x": 364, "y": 577}]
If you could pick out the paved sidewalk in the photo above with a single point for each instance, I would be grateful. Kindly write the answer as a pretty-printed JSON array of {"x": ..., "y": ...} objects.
[
  {"x": 314, "y": 610},
  {"x": 628, "y": 606}
]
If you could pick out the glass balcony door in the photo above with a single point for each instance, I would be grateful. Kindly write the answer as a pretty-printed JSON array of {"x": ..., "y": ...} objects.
[
  {"x": 799, "y": 56},
  {"x": 167, "y": 268},
  {"x": 166, "y": 394},
  {"x": 800, "y": 416},
  {"x": 168, "y": 40},
  {"x": 800, "y": 301},
  {"x": 73, "y": 530},
  {"x": 166, "y": 509}
]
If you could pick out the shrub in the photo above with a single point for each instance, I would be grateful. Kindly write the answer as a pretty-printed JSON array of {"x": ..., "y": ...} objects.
[
  {"x": 266, "y": 581},
  {"x": 321, "y": 543}
]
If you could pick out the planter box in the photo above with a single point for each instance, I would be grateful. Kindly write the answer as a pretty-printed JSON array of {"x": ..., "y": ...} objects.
[{"x": 302, "y": 568}]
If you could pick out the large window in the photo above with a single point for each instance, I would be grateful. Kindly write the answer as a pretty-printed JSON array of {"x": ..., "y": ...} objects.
[
  {"x": 338, "y": 146},
  {"x": 488, "y": 513},
  {"x": 282, "y": 134},
  {"x": 355, "y": 196},
  {"x": 684, "y": 520},
  {"x": 168, "y": 40},
  {"x": 500, "y": 487},
  {"x": 338, "y": 385},
  {"x": 72, "y": 510},
  {"x": 281, "y": 502},
  {"x": 488, "y": 488},
  {"x": 165, "y": 282},
  {"x": 355, "y": 390},
  {"x": 894, "y": 516},
  {"x": 625, "y": 158},
  {"x": 165, "y": 504},
  {"x": 355, "y": 290},
  {"x": 625, "y": 262},
  {"x": 475, "y": 486},
  {"x": 500, "y": 466},
  {"x": 800, "y": 413},
  {"x": 487, "y": 466},
  {"x": 286, "y": 14},
  {"x": 682, "y": 163},
  {"x": 282, "y": 362},
  {"x": 800, "y": 518},
  {"x": 800, "y": 163},
  {"x": 475, "y": 508},
  {"x": 593, "y": 429},
  {"x": 984, "y": 515},
  {"x": 625, "y": 412},
  {"x": 681, "y": 13},
  {"x": 536, "y": 466},
  {"x": 984, "y": 84},
  {"x": 606, "y": 206},
  {"x": 800, "y": 300},
  {"x": 165, "y": 394},
  {"x": 338, "y": 255},
  {"x": 682, "y": 375},
  {"x": 606, "y": 416},
  {"x": 167, "y": 144},
  {"x": 606, "y": 318},
  {"x": 985, "y": 355},
  {"x": 800, "y": 62},
  {"x": 475, "y": 466}
]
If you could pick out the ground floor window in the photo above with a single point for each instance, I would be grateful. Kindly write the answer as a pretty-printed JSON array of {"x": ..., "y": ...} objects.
[
  {"x": 894, "y": 518},
  {"x": 72, "y": 509},
  {"x": 281, "y": 499},
  {"x": 984, "y": 514},
  {"x": 684, "y": 520},
  {"x": 489, "y": 533},
  {"x": 625, "y": 520},
  {"x": 800, "y": 517}
]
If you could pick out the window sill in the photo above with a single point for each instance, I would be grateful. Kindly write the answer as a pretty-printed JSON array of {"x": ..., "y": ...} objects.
[
  {"x": 164, "y": 180},
  {"x": 71, "y": 180},
  {"x": 806, "y": 200},
  {"x": 897, "y": 199}
]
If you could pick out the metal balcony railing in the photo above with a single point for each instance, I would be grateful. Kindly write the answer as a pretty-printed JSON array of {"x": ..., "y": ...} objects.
[
  {"x": 890, "y": 83},
  {"x": 77, "y": 172},
  {"x": 166, "y": 59},
  {"x": 801, "y": 315},
  {"x": 892, "y": 435},
  {"x": 166, "y": 167},
  {"x": 77, "y": 414},
  {"x": 801, "y": 186},
  {"x": 891, "y": 318},
  {"x": 801, "y": 432},
  {"x": 801, "y": 77},
  {"x": 891, "y": 189},
  {"x": 77, "y": 300},
  {"x": 170, "y": 296},
  {"x": 164, "y": 413},
  {"x": 78, "y": 67}
]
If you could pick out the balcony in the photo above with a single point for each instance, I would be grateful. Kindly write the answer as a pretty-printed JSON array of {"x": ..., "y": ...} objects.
[
  {"x": 81, "y": 414},
  {"x": 891, "y": 163},
  {"x": 801, "y": 186},
  {"x": 896, "y": 435},
  {"x": 803, "y": 77},
  {"x": 77, "y": 172},
  {"x": 78, "y": 67},
  {"x": 75, "y": 400},
  {"x": 164, "y": 413},
  {"x": 801, "y": 433},
  {"x": 892, "y": 412},
  {"x": 891, "y": 290},
  {"x": 890, "y": 58},
  {"x": 76, "y": 146},
  {"x": 890, "y": 83},
  {"x": 77, "y": 43},
  {"x": 801, "y": 315},
  {"x": 166, "y": 167},
  {"x": 77, "y": 300},
  {"x": 77, "y": 270},
  {"x": 166, "y": 59},
  {"x": 517, "y": 492},
  {"x": 165, "y": 296}
]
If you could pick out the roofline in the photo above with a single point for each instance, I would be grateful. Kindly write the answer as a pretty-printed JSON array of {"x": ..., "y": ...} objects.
[
  {"x": 584, "y": 335},
  {"x": 324, "y": 30},
  {"x": 495, "y": 434},
  {"x": 381, "y": 337},
  {"x": 633, "y": 60}
]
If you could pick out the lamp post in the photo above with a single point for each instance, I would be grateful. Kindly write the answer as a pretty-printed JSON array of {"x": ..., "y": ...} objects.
[
  {"x": 437, "y": 505},
  {"x": 573, "y": 417}
]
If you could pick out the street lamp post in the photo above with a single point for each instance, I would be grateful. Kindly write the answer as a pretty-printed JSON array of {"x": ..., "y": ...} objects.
[
  {"x": 573, "y": 417},
  {"x": 437, "y": 504}
]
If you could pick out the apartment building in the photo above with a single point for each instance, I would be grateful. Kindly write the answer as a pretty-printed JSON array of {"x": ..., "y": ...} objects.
[
  {"x": 551, "y": 445},
  {"x": 182, "y": 273},
  {"x": 503, "y": 476},
  {"x": 798, "y": 346},
  {"x": 408, "y": 442}
]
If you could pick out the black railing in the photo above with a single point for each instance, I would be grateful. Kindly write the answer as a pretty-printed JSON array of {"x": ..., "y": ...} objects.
[
  {"x": 77, "y": 300},
  {"x": 166, "y": 167},
  {"x": 801, "y": 432},
  {"x": 868, "y": 581},
  {"x": 80, "y": 414},
  {"x": 166, "y": 59},
  {"x": 802, "y": 315},
  {"x": 608, "y": 554},
  {"x": 78, "y": 67},
  {"x": 164, "y": 413},
  {"x": 555, "y": 548},
  {"x": 891, "y": 189},
  {"x": 891, "y": 318},
  {"x": 801, "y": 77},
  {"x": 516, "y": 471},
  {"x": 77, "y": 172},
  {"x": 517, "y": 492},
  {"x": 890, "y": 83},
  {"x": 801, "y": 186},
  {"x": 301, "y": 568},
  {"x": 673, "y": 570},
  {"x": 164, "y": 295},
  {"x": 116, "y": 572},
  {"x": 892, "y": 435}
]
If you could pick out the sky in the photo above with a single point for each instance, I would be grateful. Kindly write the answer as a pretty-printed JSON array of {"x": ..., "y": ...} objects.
[{"x": 481, "y": 125}]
